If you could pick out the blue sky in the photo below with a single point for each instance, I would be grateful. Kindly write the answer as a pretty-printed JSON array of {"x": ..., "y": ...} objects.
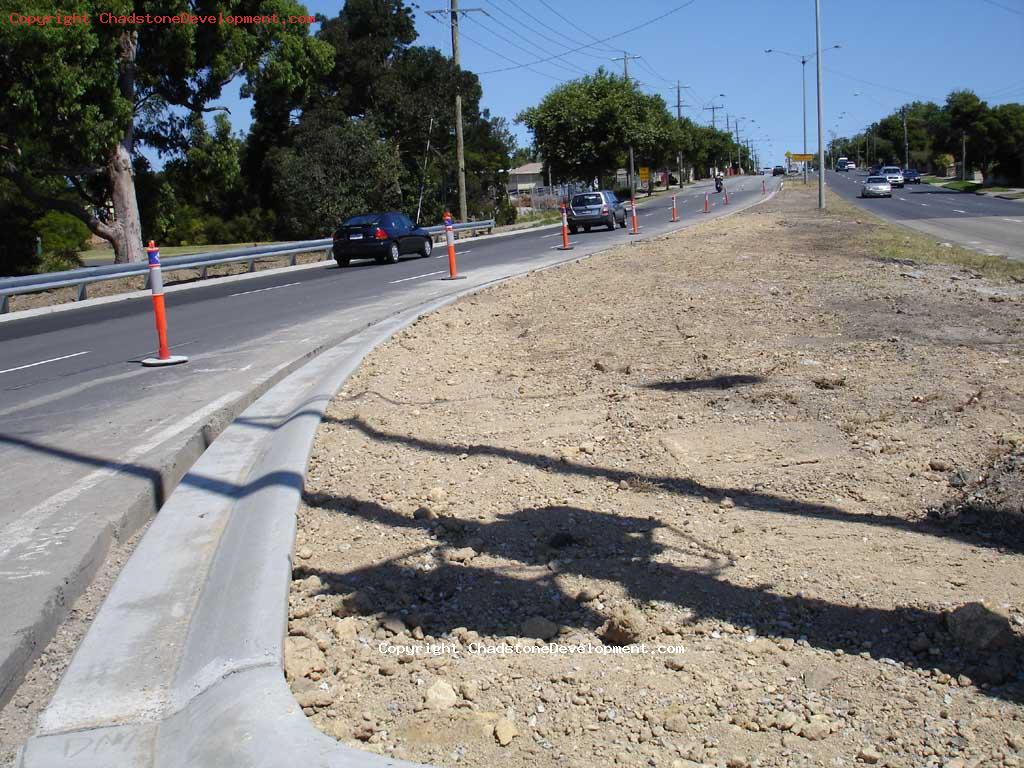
[{"x": 892, "y": 52}]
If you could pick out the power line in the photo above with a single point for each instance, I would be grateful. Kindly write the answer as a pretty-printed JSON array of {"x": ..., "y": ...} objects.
[
  {"x": 573, "y": 23},
  {"x": 518, "y": 44},
  {"x": 539, "y": 32},
  {"x": 1005, "y": 7},
  {"x": 601, "y": 40},
  {"x": 500, "y": 54}
]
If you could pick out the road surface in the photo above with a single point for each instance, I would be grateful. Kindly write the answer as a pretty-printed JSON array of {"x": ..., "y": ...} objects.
[
  {"x": 86, "y": 431},
  {"x": 979, "y": 222}
]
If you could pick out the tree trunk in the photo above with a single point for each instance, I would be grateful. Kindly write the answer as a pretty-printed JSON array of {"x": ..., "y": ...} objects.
[
  {"x": 127, "y": 226},
  {"x": 126, "y": 232}
]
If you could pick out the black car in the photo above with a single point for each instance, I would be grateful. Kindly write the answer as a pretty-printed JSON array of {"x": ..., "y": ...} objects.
[
  {"x": 385, "y": 237},
  {"x": 910, "y": 176},
  {"x": 778, "y": 170},
  {"x": 594, "y": 209}
]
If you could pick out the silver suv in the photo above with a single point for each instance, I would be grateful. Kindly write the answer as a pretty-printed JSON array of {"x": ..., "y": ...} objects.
[
  {"x": 894, "y": 175},
  {"x": 592, "y": 209}
]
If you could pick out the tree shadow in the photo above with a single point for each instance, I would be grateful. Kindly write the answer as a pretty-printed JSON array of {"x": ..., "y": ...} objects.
[
  {"x": 631, "y": 553},
  {"x": 715, "y": 382},
  {"x": 682, "y": 486}
]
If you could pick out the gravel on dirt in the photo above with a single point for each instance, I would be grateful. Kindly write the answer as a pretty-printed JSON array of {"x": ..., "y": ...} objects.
[{"x": 748, "y": 495}]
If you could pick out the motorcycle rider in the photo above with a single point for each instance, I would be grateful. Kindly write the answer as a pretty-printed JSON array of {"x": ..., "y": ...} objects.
[{"x": 719, "y": 181}]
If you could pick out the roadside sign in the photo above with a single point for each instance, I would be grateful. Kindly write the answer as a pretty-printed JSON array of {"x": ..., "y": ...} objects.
[
  {"x": 645, "y": 175},
  {"x": 800, "y": 158}
]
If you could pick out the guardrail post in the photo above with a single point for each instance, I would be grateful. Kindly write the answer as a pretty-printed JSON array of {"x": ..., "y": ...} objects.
[
  {"x": 203, "y": 271},
  {"x": 252, "y": 265},
  {"x": 83, "y": 291},
  {"x": 5, "y": 304},
  {"x": 291, "y": 261},
  {"x": 164, "y": 356}
]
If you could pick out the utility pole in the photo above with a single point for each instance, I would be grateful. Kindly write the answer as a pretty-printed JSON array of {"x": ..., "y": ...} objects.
[
  {"x": 906, "y": 143},
  {"x": 714, "y": 108},
  {"x": 631, "y": 173},
  {"x": 821, "y": 126},
  {"x": 679, "y": 117},
  {"x": 460, "y": 150},
  {"x": 963, "y": 156}
]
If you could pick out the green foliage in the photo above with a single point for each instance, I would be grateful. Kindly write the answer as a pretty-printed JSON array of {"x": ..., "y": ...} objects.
[
  {"x": 63, "y": 236},
  {"x": 505, "y": 213},
  {"x": 994, "y": 136},
  {"x": 331, "y": 171}
]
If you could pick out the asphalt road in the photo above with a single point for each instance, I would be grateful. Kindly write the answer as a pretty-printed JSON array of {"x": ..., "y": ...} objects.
[
  {"x": 983, "y": 223},
  {"x": 81, "y": 419}
]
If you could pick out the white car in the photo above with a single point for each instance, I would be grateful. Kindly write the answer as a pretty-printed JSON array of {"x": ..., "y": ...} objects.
[
  {"x": 876, "y": 186},
  {"x": 894, "y": 174},
  {"x": 851, "y": 165}
]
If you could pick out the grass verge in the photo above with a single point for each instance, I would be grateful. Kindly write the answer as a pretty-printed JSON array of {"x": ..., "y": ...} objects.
[{"x": 892, "y": 241}]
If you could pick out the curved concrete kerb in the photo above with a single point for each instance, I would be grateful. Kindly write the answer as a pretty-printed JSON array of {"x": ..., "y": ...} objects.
[{"x": 182, "y": 667}]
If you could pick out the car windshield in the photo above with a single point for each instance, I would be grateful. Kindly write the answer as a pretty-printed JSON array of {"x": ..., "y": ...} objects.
[
  {"x": 878, "y": 180},
  {"x": 891, "y": 170},
  {"x": 591, "y": 199},
  {"x": 363, "y": 220}
]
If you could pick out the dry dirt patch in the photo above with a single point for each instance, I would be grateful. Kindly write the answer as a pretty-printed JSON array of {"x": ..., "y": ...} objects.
[{"x": 696, "y": 501}]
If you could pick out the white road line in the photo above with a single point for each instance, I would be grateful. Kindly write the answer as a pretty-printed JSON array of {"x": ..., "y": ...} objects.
[
  {"x": 925, "y": 205},
  {"x": 556, "y": 247},
  {"x": 261, "y": 290},
  {"x": 555, "y": 234},
  {"x": 34, "y": 527},
  {"x": 902, "y": 198},
  {"x": 414, "y": 277},
  {"x": 44, "y": 362},
  {"x": 957, "y": 210},
  {"x": 1015, "y": 221},
  {"x": 444, "y": 254}
]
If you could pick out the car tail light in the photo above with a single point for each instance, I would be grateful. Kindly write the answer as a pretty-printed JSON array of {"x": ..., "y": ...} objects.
[
  {"x": 604, "y": 210},
  {"x": 380, "y": 234}
]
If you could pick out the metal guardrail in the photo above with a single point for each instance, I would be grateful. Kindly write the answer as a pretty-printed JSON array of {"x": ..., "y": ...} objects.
[{"x": 12, "y": 286}]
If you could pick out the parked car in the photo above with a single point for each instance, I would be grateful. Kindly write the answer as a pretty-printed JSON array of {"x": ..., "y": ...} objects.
[
  {"x": 876, "y": 186},
  {"x": 911, "y": 176},
  {"x": 851, "y": 165},
  {"x": 385, "y": 237},
  {"x": 778, "y": 170},
  {"x": 592, "y": 209},
  {"x": 893, "y": 174}
]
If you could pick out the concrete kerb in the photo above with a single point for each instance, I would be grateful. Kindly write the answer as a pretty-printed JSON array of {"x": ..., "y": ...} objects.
[{"x": 183, "y": 663}]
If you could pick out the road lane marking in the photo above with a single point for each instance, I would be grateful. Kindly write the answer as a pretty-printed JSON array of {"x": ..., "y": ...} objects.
[
  {"x": 556, "y": 247},
  {"x": 444, "y": 254},
  {"x": 44, "y": 362},
  {"x": 925, "y": 205},
  {"x": 957, "y": 210},
  {"x": 416, "y": 277},
  {"x": 37, "y": 528},
  {"x": 1015, "y": 221},
  {"x": 261, "y": 290}
]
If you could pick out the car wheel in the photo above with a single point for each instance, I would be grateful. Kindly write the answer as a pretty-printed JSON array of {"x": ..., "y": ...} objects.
[
  {"x": 343, "y": 261},
  {"x": 623, "y": 222},
  {"x": 428, "y": 248},
  {"x": 573, "y": 229},
  {"x": 611, "y": 223},
  {"x": 393, "y": 254},
  {"x": 586, "y": 227}
]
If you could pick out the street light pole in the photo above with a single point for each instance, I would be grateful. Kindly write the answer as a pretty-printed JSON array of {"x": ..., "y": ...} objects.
[
  {"x": 803, "y": 85},
  {"x": 821, "y": 138}
]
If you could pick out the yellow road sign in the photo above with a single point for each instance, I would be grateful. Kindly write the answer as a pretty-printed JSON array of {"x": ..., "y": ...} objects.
[
  {"x": 800, "y": 158},
  {"x": 645, "y": 174}
]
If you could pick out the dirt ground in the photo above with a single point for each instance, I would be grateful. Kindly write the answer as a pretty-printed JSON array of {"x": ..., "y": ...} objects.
[{"x": 730, "y": 498}]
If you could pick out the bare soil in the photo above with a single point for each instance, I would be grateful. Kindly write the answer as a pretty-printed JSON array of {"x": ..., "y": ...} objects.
[
  {"x": 719, "y": 479},
  {"x": 739, "y": 484}
]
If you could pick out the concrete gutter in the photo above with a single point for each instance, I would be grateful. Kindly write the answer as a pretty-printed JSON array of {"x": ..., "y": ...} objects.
[{"x": 182, "y": 667}]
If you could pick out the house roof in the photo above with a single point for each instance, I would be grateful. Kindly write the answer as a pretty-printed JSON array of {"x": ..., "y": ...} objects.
[{"x": 528, "y": 168}]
